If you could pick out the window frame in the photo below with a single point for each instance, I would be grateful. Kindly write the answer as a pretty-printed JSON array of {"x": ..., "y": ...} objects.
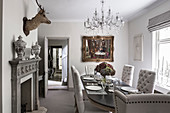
[{"x": 156, "y": 42}]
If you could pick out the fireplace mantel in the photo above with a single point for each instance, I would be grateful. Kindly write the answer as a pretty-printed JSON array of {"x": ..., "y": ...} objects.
[{"x": 20, "y": 70}]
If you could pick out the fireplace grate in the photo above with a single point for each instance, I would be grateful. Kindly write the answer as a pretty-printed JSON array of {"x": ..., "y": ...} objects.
[{"x": 23, "y": 108}]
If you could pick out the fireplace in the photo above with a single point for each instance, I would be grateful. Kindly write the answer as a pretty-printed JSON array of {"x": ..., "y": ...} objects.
[{"x": 25, "y": 91}]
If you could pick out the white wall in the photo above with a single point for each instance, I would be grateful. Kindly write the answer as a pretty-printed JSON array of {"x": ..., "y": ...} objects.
[
  {"x": 138, "y": 26},
  {"x": 75, "y": 30},
  {"x": 13, "y": 13},
  {"x": 53, "y": 42}
]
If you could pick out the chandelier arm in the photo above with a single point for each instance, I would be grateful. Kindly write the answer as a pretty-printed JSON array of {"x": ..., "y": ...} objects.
[{"x": 103, "y": 23}]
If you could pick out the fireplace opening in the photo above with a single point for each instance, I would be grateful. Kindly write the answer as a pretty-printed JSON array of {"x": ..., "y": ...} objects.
[
  {"x": 23, "y": 108},
  {"x": 26, "y": 94}
]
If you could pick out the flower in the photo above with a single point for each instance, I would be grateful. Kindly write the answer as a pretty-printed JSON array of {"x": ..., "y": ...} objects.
[{"x": 105, "y": 69}]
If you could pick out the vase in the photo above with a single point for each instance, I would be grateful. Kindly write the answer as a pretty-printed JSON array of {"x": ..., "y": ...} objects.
[
  {"x": 103, "y": 83},
  {"x": 36, "y": 50},
  {"x": 20, "y": 46}
]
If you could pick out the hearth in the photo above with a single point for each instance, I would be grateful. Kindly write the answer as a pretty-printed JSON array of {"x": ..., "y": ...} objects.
[{"x": 23, "y": 108}]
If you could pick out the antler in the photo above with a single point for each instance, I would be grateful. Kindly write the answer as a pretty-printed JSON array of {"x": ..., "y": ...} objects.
[
  {"x": 38, "y": 5},
  {"x": 31, "y": 24}
]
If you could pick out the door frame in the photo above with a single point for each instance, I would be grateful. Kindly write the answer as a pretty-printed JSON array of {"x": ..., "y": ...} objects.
[
  {"x": 1, "y": 57},
  {"x": 67, "y": 38}
]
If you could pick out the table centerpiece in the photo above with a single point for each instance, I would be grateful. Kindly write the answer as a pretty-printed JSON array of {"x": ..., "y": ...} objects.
[{"x": 105, "y": 69}]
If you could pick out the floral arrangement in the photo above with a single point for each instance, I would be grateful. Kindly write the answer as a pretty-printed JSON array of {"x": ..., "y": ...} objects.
[{"x": 105, "y": 69}]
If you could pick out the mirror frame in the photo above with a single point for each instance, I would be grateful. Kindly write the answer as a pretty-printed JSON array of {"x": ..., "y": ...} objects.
[{"x": 84, "y": 38}]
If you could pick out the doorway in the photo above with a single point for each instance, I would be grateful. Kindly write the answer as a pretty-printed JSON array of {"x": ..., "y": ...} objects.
[
  {"x": 56, "y": 60},
  {"x": 51, "y": 44},
  {"x": 56, "y": 78}
]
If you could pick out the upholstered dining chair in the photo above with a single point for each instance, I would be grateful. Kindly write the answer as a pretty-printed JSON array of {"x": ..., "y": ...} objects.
[
  {"x": 127, "y": 74},
  {"x": 146, "y": 81},
  {"x": 141, "y": 103},
  {"x": 72, "y": 72},
  {"x": 89, "y": 69},
  {"x": 84, "y": 94},
  {"x": 73, "y": 69},
  {"x": 83, "y": 106}
]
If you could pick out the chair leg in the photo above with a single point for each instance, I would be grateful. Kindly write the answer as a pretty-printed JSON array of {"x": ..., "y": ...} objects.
[
  {"x": 75, "y": 105},
  {"x": 76, "y": 110},
  {"x": 85, "y": 98}
]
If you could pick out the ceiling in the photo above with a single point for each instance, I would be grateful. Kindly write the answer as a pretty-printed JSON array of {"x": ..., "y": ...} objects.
[{"x": 79, "y": 10}]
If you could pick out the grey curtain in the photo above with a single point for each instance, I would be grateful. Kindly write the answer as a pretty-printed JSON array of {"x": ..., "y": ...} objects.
[{"x": 159, "y": 22}]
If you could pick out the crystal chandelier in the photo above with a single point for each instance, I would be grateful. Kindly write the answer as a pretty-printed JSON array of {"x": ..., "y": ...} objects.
[{"x": 102, "y": 23}]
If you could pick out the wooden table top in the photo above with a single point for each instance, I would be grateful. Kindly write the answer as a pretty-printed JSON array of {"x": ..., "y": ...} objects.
[{"x": 106, "y": 100}]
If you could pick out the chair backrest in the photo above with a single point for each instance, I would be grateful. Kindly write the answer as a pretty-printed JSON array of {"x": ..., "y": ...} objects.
[
  {"x": 73, "y": 69},
  {"x": 89, "y": 69},
  {"x": 141, "y": 103},
  {"x": 146, "y": 81},
  {"x": 127, "y": 74},
  {"x": 78, "y": 92}
]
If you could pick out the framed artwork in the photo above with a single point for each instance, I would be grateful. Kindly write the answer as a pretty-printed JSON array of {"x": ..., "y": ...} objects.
[
  {"x": 138, "y": 47},
  {"x": 97, "y": 48}
]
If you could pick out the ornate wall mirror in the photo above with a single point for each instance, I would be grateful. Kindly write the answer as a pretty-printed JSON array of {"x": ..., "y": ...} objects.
[{"x": 97, "y": 48}]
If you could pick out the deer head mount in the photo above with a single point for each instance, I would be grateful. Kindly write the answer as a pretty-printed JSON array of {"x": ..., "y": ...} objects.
[{"x": 31, "y": 24}]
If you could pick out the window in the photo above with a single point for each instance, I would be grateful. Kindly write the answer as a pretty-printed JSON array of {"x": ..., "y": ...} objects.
[{"x": 161, "y": 56}]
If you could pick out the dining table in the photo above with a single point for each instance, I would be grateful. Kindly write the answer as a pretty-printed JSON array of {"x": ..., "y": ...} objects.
[{"x": 103, "y": 99}]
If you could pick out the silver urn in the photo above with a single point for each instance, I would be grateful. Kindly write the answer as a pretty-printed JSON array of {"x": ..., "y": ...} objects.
[
  {"x": 36, "y": 50},
  {"x": 20, "y": 46}
]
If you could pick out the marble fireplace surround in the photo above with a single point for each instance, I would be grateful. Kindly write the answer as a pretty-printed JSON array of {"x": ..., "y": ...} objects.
[{"x": 24, "y": 70}]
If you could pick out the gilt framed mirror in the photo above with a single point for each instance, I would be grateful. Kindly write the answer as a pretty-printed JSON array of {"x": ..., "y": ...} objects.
[{"x": 97, "y": 48}]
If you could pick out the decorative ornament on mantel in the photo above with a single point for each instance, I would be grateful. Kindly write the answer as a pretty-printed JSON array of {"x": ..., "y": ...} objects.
[
  {"x": 36, "y": 50},
  {"x": 20, "y": 46},
  {"x": 104, "y": 23}
]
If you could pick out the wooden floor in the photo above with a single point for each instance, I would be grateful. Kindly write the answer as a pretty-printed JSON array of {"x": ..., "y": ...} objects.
[
  {"x": 56, "y": 85},
  {"x": 58, "y": 101}
]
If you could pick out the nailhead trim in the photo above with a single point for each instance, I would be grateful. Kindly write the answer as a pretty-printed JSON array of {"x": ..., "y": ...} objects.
[{"x": 134, "y": 102}]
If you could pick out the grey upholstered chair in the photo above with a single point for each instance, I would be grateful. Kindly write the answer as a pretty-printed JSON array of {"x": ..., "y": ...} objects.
[
  {"x": 72, "y": 72},
  {"x": 73, "y": 69},
  {"x": 89, "y": 69},
  {"x": 83, "y": 106},
  {"x": 127, "y": 74},
  {"x": 141, "y": 103},
  {"x": 146, "y": 81}
]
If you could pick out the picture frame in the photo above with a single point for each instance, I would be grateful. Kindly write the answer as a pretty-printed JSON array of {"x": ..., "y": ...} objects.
[
  {"x": 138, "y": 47},
  {"x": 97, "y": 48}
]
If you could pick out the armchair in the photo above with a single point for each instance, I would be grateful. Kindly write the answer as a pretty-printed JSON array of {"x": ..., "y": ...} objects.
[{"x": 142, "y": 103}]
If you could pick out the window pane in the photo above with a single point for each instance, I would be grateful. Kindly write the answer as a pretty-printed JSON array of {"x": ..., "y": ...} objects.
[
  {"x": 163, "y": 53},
  {"x": 164, "y": 33},
  {"x": 164, "y": 63}
]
